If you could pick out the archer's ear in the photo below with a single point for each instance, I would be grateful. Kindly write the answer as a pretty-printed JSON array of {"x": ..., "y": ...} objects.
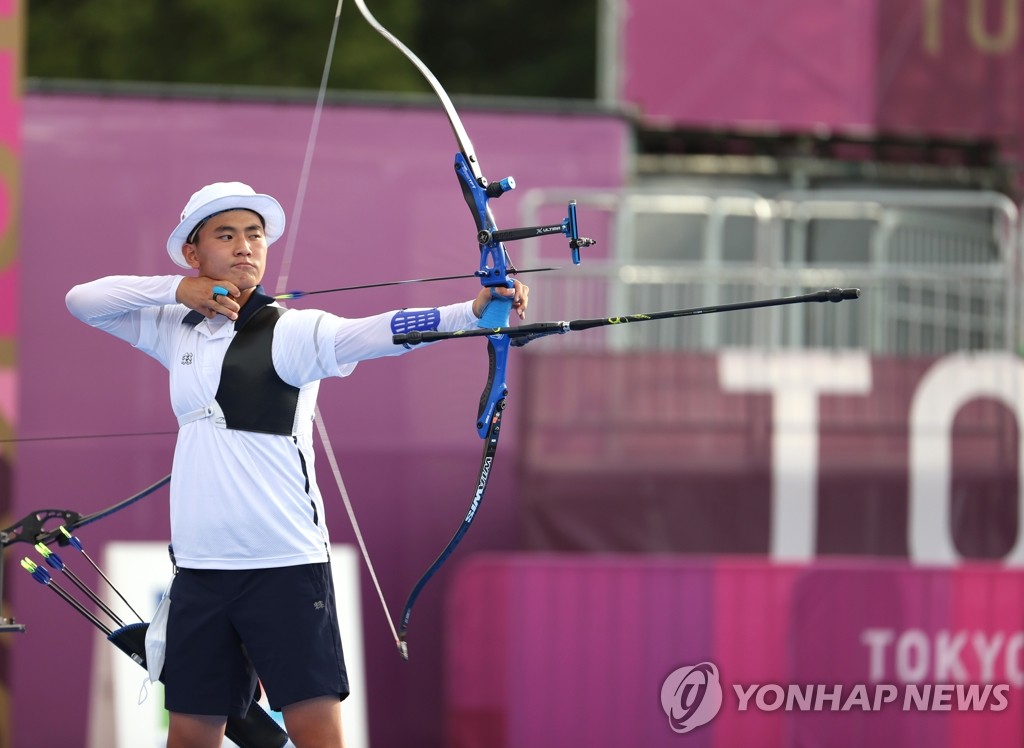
[{"x": 188, "y": 251}]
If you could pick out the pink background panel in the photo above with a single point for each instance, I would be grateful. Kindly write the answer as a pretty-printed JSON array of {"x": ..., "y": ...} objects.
[
  {"x": 947, "y": 68},
  {"x": 787, "y": 63},
  {"x": 9, "y": 292},
  {"x": 579, "y": 659}
]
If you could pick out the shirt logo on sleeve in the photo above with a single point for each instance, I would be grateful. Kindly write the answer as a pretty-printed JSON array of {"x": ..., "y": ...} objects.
[{"x": 187, "y": 359}]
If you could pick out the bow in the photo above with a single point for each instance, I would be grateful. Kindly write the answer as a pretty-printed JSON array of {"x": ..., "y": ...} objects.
[
  {"x": 257, "y": 729},
  {"x": 494, "y": 270},
  {"x": 37, "y": 528},
  {"x": 32, "y": 528}
]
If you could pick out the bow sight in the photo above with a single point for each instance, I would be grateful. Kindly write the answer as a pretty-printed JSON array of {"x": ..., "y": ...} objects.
[{"x": 568, "y": 227}]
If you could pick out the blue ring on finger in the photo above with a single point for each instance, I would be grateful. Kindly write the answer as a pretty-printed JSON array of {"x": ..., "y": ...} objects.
[{"x": 219, "y": 291}]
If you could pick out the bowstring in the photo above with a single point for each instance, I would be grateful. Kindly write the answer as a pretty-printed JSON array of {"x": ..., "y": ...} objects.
[
  {"x": 307, "y": 160},
  {"x": 282, "y": 285}
]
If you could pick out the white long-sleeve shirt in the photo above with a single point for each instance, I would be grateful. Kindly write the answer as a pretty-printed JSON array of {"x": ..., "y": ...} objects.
[{"x": 241, "y": 499}]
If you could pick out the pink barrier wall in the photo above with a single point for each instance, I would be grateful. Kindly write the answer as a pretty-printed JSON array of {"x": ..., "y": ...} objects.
[
  {"x": 791, "y": 454},
  {"x": 627, "y": 457},
  {"x": 785, "y": 63},
  {"x": 940, "y": 67},
  {"x": 950, "y": 67},
  {"x": 570, "y": 650}
]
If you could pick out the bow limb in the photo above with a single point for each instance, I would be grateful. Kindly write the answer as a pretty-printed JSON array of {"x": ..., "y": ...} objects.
[
  {"x": 477, "y": 191},
  {"x": 33, "y": 528},
  {"x": 486, "y": 461},
  {"x": 465, "y": 144}
]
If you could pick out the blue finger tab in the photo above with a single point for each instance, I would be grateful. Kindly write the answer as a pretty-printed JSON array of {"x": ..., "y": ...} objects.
[{"x": 220, "y": 291}]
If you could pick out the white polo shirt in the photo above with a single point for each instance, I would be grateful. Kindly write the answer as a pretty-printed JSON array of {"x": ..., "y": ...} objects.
[{"x": 241, "y": 499}]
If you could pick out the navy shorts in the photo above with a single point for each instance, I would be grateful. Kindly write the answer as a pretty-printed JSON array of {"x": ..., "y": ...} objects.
[{"x": 226, "y": 628}]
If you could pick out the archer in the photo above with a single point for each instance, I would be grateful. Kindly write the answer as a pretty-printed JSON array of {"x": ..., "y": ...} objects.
[{"x": 253, "y": 594}]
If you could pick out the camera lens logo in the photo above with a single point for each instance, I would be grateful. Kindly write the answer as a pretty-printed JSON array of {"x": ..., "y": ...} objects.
[{"x": 691, "y": 696}]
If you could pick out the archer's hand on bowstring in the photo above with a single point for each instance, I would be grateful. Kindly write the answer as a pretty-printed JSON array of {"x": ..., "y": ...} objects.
[
  {"x": 520, "y": 293},
  {"x": 209, "y": 297}
]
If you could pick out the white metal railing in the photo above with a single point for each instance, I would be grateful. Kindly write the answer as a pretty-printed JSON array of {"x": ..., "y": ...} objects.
[{"x": 939, "y": 270}]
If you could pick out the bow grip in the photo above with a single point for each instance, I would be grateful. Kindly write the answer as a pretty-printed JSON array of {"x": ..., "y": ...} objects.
[
  {"x": 492, "y": 399},
  {"x": 497, "y": 311}
]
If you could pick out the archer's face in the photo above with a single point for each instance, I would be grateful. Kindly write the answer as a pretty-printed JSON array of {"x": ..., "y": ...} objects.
[{"x": 231, "y": 246}]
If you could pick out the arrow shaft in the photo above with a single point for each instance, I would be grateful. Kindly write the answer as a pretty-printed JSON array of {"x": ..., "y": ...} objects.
[
  {"x": 111, "y": 585},
  {"x": 92, "y": 596},
  {"x": 70, "y": 600},
  {"x": 300, "y": 294}
]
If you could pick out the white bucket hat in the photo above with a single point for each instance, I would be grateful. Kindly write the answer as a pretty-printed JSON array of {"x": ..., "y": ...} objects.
[{"x": 217, "y": 198}]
